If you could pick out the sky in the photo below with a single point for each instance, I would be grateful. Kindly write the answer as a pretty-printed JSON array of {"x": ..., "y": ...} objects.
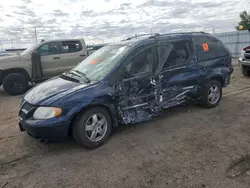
[{"x": 99, "y": 21}]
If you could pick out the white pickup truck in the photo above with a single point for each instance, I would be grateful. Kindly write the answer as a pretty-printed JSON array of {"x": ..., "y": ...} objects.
[{"x": 40, "y": 62}]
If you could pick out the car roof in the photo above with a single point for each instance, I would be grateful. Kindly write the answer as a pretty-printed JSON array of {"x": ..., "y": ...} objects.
[
  {"x": 148, "y": 38},
  {"x": 59, "y": 40}
]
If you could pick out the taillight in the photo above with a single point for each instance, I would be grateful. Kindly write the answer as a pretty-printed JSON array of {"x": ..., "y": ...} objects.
[{"x": 246, "y": 48}]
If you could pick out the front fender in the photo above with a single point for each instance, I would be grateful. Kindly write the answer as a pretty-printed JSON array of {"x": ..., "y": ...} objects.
[
  {"x": 99, "y": 95},
  {"x": 80, "y": 107}
]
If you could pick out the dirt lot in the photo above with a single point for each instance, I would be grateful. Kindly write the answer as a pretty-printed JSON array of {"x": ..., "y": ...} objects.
[{"x": 187, "y": 147}]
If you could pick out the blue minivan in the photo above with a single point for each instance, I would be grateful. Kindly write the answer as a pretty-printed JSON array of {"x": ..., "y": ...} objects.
[{"x": 127, "y": 82}]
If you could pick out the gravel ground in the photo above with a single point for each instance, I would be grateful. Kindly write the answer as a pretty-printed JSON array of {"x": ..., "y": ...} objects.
[{"x": 187, "y": 147}]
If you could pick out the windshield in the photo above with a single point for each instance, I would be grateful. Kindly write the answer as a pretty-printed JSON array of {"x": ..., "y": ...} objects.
[
  {"x": 96, "y": 66},
  {"x": 29, "y": 49}
]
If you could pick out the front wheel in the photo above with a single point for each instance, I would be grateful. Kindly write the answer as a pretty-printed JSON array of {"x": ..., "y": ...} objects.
[
  {"x": 15, "y": 84},
  {"x": 92, "y": 128},
  {"x": 212, "y": 94}
]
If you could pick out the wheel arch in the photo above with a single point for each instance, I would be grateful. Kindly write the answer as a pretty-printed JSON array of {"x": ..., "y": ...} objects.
[
  {"x": 82, "y": 110},
  {"x": 218, "y": 78},
  {"x": 6, "y": 72}
]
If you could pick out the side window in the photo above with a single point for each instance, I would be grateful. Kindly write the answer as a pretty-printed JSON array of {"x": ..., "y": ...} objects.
[
  {"x": 209, "y": 48},
  {"x": 141, "y": 62},
  {"x": 71, "y": 46},
  {"x": 176, "y": 53},
  {"x": 49, "y": 49}
]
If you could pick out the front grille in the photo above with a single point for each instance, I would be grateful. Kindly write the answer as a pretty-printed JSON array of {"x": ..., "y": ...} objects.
[{"x": 26, "y": 110}]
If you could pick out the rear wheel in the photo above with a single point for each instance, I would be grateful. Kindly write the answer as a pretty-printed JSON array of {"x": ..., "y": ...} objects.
[
  {"x": 212, "y": 93},
  {"x": 245, "y": 71},
  {"x": 15, "y": 84},
  {"x": 92, "y": 128}
]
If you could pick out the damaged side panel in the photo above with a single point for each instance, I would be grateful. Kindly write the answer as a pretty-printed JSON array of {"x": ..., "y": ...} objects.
[
  {"x": 177, "y": 77},
  {"x": 174, "y": 82},
  {"x": 179, "y": 85},
  {"x": 218, "y": 68},
  {"x": 180, "y": 75},
  {"x": 144, "y": 98},
  {"x": 136, "y": 100}
]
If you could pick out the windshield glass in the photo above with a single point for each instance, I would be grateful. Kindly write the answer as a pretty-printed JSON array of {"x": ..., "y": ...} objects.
[
  {"x": 96, "y": 66},
  {"x": 29, "y": 49}
]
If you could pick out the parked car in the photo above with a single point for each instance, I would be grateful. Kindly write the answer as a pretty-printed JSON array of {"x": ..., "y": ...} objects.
[
  {"x": 92, "y": 48},
  {"x": 40, "y": 62},
  {"x": 244, "y": 61},
  {"x": 127, "y": 82}
]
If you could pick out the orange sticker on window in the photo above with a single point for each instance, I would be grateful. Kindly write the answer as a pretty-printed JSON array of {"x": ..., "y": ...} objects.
[
  {"x": 205, "y": 47},
  {"x": 94, "y": 61}
]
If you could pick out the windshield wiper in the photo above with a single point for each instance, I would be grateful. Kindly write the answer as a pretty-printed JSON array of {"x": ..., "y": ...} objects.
[
  {"x": 79, "y": 74},
  {"x": 72, "y": 73}
]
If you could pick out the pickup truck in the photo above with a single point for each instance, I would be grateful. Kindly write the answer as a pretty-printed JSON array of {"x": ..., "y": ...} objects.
[{"x": 39, "y": 62}]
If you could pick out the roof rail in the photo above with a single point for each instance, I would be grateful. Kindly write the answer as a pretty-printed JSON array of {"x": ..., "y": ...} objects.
[
  {"x": 141, "y": 35},
  {"x": 157, "y": 34},
  {"x": 201, "y": 32}
]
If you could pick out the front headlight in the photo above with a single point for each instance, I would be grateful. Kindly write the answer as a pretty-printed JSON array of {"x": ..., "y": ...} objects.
[{"x": 47, "y": 112}]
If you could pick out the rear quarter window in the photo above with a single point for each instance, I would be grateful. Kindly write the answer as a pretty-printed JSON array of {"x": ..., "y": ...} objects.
[
  {"x": 209, "y": 48},
  {"x": 71, "y": 46}
]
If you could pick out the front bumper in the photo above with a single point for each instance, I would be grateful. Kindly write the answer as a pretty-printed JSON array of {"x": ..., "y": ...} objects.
[{"x": 44, "y": 130}]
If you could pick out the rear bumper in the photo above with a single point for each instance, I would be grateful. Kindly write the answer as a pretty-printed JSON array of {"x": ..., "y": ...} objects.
[{"x": 52, "y": 132}]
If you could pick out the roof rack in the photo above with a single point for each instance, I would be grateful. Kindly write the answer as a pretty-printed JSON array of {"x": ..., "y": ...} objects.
[
  {"x": 200, "y": 32},
  {"x": 157, "y": 34},
  {"x": 141, "y": 35}
]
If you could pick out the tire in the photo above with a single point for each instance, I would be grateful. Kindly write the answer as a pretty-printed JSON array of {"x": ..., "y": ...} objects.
[
  {"x": 245, "y": 71},
  {"x": 87, "y": 119},
  {"x": 15, "y": 84},
  {"x": 208, "y": 101}
]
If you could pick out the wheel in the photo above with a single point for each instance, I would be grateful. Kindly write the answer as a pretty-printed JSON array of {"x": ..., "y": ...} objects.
[
  {"x": 245, "y": 71},
  {"x": 212, "y": 93},
  {"x": 15, "y": 84},
  {"x": 92, "y": 128}
]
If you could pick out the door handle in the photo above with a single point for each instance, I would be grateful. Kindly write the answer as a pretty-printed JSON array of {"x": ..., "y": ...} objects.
[
  {"x": 56, "y": 58},
  {"x": 82, "y": 55}
]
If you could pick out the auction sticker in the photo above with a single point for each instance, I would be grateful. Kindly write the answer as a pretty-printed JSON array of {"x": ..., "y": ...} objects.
[{"x": 205, "y": 47}]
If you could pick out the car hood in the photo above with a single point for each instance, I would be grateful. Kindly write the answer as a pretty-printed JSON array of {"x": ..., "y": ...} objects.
[
  {"x": 10, "y": 58},
  {"x": 50, "y": 91},
  {"x": 12, "y": 61}
]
